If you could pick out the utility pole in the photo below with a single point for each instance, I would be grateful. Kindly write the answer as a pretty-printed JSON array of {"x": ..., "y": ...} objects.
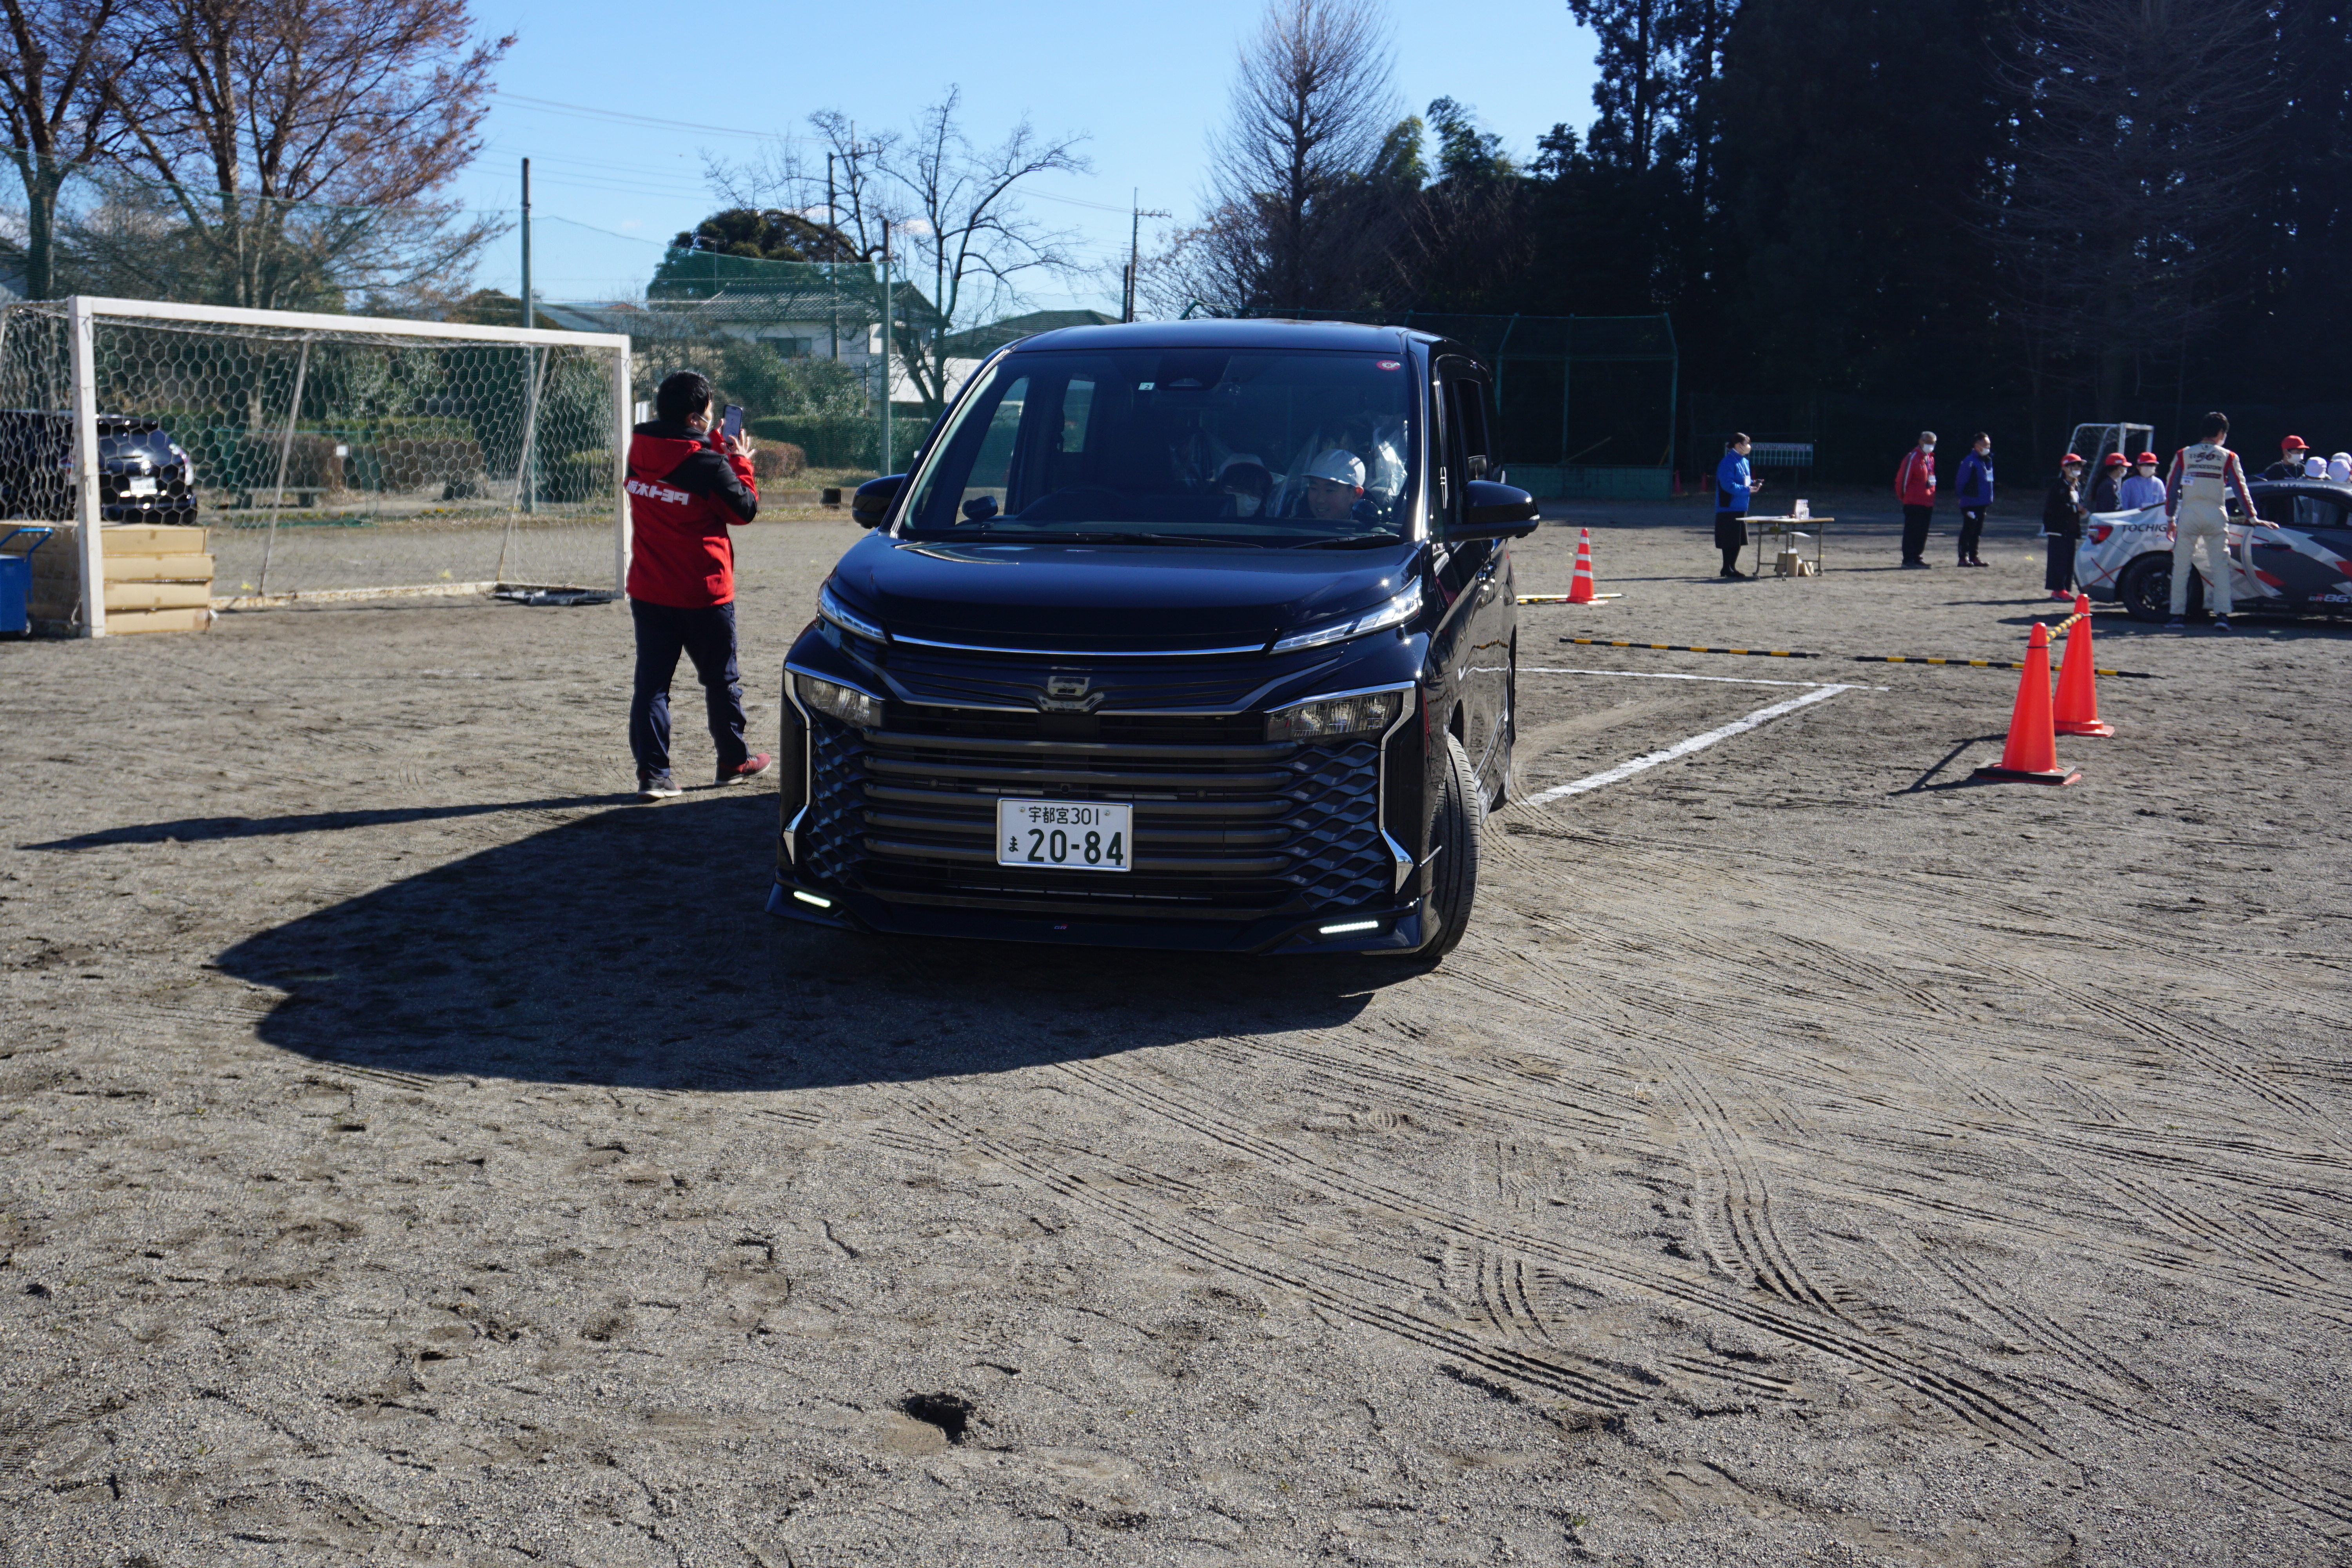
[
  {"x": 884, "y": 465},
  {"x": 1135, "y": 251},
  {"x": 526, "y": 243},
  {"x": 527, "y": 465},
  {"x": 832, "y": 288}
]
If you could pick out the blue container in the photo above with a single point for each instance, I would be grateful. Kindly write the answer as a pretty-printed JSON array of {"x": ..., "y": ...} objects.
[{"x": 16, "y": 585}]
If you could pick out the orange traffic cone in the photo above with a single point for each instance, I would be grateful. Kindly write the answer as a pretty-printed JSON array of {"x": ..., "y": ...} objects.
[
  {"x": 1579, "y": 592},
  {"x": 2078, "y": 708},
  {"x": 2032, "y": 754}
]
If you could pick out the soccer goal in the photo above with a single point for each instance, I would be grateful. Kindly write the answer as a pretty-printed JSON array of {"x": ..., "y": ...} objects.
[{"x": 325, "y": 458}]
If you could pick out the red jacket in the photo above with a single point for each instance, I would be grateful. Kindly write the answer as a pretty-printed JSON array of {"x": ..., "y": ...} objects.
[
  {"x": 1914, "y": 481},
  {"x": 683, "y": 494}
]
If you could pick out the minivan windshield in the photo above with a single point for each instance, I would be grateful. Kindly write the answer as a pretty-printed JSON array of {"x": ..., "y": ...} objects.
[{"x": 1243, "y": 448}]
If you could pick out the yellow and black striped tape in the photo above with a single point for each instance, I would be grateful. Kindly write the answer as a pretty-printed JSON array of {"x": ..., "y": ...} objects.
[{"x": 1854, "y": 657}]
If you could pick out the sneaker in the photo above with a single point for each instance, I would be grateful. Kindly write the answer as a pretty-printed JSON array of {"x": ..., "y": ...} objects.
[
  {"x": 2221, "y": 623},
  {"x": 750, "y": 767},
  {"x": 657, "y": 786},
  {"x": 2061, "y": 594},
  {"x": 2176, "y": 625},
  {"x": 1914, "y": 566}
]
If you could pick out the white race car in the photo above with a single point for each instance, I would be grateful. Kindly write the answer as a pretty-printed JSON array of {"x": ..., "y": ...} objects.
[{"x": 2305, "y": 563}]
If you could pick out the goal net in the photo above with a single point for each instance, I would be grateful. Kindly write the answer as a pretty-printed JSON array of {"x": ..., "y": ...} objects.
[{"x": 325, "y": 457}]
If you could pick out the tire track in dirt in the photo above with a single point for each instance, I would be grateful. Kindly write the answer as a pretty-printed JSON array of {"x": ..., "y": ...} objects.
[
  {"x": 1234, "y": 1252},
  {"x": 1867, "y": 1357},
  {"x": 1743, "y": 1200}
]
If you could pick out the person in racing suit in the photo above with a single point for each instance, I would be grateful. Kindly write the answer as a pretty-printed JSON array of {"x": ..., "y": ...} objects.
[{"x": 2195, "y": 504}]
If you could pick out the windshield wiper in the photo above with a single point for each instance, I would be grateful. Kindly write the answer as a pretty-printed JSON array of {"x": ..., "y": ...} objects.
[
  {"x": 1095, "y": 538},
  {"x": 1350, "y": 542}
]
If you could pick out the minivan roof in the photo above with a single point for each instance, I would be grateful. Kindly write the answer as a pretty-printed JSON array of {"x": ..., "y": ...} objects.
[{"x": 1225, "y": 333}]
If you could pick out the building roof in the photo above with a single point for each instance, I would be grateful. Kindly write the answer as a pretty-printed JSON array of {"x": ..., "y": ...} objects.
[{"x": 977, "y": 343}]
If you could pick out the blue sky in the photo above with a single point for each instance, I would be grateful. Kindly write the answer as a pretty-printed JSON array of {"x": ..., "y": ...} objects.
[{"x": 1145, "y": 83}]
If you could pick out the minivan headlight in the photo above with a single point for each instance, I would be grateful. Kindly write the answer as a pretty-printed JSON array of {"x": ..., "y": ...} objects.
[
  {"x": 1395, "y": 613},
  {"x": 829, "y": 606},
  {"x": 1337, "y": 718},
  {"x": 836, "y": 701}
]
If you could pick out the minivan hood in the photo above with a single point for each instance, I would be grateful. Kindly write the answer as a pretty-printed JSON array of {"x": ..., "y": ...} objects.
[{"x": 1140, "y": 596}]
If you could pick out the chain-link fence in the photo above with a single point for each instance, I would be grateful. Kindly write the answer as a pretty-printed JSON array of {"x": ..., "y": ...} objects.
[{"x": 322, "y": 457}]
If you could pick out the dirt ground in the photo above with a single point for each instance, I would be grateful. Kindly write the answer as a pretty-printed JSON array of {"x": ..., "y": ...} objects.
[{"x": 414, "y": 1151}]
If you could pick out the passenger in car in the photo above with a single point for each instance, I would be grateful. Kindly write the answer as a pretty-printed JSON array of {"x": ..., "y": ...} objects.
[
  {"x": 1244, "y": 481},
  {"x": 1334, "y": 485}
]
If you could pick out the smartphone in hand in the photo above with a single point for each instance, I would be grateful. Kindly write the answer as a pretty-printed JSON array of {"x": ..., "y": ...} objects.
[{"x": 730, "y": 422}]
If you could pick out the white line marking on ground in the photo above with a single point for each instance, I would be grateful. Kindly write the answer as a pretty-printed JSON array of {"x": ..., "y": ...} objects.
[{"x": 1685, "y": 747}]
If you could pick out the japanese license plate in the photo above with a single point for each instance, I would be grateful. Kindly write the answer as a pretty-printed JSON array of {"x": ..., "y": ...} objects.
[
  {"x": 1067, "y": 835},
  {"x": 143, "y": 485}
]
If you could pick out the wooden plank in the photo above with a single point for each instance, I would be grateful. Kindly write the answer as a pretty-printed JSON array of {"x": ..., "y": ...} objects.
[
  {"x": 157, "y": 621},
  {"x": 128, "y": 539},
  {"x": 158, "y": 596},
  {"x": 151, "y": 538},
  {"x": 129, "y": 569}
]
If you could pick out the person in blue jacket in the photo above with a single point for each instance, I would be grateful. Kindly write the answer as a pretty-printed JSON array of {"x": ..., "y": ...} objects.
[
  {"x": 1733, "y": 487},
  {"x": 1975, "y": 496}
]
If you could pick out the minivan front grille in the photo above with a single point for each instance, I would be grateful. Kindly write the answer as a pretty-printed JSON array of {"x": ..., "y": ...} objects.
[{"x": 1225, "y": 828}]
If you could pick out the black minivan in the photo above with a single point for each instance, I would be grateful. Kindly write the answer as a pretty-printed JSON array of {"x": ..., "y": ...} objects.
[{"x": 1196, "y": 634}]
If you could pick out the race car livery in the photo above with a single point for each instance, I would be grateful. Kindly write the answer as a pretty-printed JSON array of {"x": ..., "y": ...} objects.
[{"x": 2302, "y": 564}]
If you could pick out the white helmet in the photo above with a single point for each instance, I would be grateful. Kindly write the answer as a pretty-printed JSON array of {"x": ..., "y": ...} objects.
[{"x": 1340, "y": 467}]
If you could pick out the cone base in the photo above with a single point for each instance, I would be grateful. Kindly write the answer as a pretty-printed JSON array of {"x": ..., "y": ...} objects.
[
  {"x": 1990, "y": 775},
  {"x": 2083, "y": 727}
]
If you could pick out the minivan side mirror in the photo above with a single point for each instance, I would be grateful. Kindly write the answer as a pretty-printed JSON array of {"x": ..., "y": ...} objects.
[
  {"x": 1492, "y": 510},
  {"x": 872, "y": 502}
]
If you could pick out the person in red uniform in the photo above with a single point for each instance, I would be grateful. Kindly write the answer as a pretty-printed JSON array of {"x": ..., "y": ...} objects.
[
  {"x": 687, "y": 487},
  {"x": 1915, "y": 487}
]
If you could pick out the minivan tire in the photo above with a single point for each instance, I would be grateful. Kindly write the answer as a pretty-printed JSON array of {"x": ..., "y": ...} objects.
[{"x": 1454, "y": 818}]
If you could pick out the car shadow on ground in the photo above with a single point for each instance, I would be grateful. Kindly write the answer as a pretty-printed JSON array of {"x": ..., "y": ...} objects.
[{"x": 630, "y": 948}]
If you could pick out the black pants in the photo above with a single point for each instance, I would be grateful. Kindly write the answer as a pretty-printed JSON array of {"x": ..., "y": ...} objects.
[
  {"x": 1915, "y": 531},
  {"x": 707, "y": 636},
  {"x": 1730, "y": 537},
  {"x": 2058, "y": 574},
  {"x": 1971, "y": 530}
]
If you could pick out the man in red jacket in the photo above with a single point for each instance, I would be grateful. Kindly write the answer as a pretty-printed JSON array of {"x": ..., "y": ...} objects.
[
  {"x": 1915, "y": 487},
  {"x": 687, "y": 487}
]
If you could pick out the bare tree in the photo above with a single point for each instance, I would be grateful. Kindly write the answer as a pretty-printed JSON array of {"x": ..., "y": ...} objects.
[
  {"x": 1291, "y": 219},
  {"x": 950, "y": 212},
  {"x": 2130, "y": 195},
  {"x": 55, "y": 60},
  {"x": 297, "y": 147}
]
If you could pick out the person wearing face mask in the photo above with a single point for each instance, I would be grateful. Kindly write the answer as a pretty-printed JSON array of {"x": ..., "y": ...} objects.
[
  {"x": 2141, "y": 489},
  {"x": 1915, "y": 487},
  {"x": 1974, "y": 490},
  {"x": 2062, "y": 527},
  {"x": 2289, "y": 463},
  {"x": 1244, "y": 481}
]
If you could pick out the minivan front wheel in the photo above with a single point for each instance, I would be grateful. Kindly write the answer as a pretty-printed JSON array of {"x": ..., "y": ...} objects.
[{"x": 1455, "y": 815}]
